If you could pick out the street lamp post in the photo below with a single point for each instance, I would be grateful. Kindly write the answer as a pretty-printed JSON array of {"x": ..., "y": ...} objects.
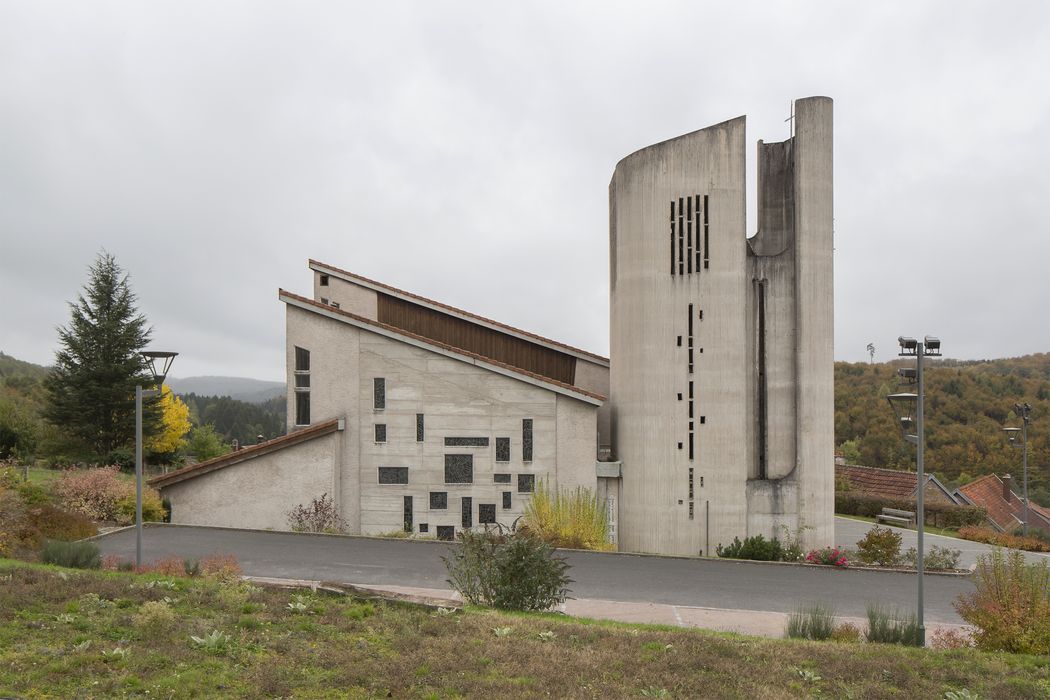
[
  {"x": 1024, "y": 412},
  {"x": 910, "y": 409},
  {"x": 151, "y": 359}
]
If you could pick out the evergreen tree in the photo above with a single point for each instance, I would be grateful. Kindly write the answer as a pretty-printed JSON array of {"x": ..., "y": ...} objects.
[{"x": 91, "y": 390}]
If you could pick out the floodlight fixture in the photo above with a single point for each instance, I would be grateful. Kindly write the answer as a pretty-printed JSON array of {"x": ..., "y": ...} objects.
[
  {"x": 908, "y": 345},
  {"x": 933, "y": 346},
  {"x": 909, "y": 373}
]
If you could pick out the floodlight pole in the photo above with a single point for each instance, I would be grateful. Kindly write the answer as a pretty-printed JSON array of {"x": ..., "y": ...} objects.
[
  {"x": 920, "y": 445},
  {"x": 1025, "y": 410}
]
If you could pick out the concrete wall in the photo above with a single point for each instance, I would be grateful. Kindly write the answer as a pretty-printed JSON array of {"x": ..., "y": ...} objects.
[
  {"x": 595, "y": 377},
  {"x": 457, "y": 399},
  {"x": 257, "y": 493},
  {"x": 351, "y": 297},
  {"x": 763, "y": 399},
  {"x": 649, "y": 310}
]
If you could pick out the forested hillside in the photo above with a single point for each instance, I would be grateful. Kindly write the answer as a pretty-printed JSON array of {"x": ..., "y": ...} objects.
[
  {"x": 968, "y": 403},
  {"x": 239, "y": 420}
]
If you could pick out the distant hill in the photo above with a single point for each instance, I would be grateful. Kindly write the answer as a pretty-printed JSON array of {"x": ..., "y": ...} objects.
[
  {"x": 968, "y": 403},
  {"x": 240, "y": 388},
  {"x": 10, "y": 368}
]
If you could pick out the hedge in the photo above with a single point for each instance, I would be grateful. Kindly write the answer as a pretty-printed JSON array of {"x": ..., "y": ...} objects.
[{"x": 937, "y": 514}]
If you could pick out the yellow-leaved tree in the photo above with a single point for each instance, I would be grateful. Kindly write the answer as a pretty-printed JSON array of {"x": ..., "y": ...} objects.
[{"x": 175, "y": 424}]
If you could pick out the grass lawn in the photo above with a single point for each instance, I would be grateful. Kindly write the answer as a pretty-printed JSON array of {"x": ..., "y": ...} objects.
[
  {"x": 66, "y": 633},
  {"x": 43, "y": 477},
  {"x": 928, "y": 529}
]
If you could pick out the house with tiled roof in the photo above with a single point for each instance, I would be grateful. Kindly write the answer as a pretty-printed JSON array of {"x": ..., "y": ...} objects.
[
  {"x": 891, "y": 483},
  {"x": 1005, "y": 508}
]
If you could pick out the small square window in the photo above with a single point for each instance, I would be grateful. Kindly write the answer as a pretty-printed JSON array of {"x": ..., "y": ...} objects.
[
  {"x": 324, "y": 301},
  {"x": 424, "y": 527},
  {"x": 459, "y": 469},
  {"x": 526, "y": 483},
  {"x": 438, "y": 500},
  {"x": 486, "y": 513},
  {"x": 380, "y": 432},
  {"x": 446, "y": 532},
  {"x": 324, "y": 280},
  {"x": 501, "y": 478}
]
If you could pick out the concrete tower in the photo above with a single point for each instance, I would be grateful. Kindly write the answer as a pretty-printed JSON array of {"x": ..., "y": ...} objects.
[{"x": 721, "y": 373}]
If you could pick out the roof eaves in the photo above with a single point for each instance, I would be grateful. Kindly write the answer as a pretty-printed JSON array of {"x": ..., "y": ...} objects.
[
  {"x": 447, "y": 350},
  {"x": 467, "y": 315},
  {"x": 246, "y": 453}
]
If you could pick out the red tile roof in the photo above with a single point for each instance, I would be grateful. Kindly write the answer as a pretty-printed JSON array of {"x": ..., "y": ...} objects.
[
  {"x": 460, "y": 312},
  {"x": 889, "y": 483},
  {"x": 286, "y": 296},
  {"x": 987, "y": 492},
  {"x": 231, "y": 458}
]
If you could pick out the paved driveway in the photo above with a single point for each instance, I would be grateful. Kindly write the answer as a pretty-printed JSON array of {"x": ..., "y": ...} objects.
[
  {"x": 621, "y": 577},
  {"x": 848, "y": 531}
]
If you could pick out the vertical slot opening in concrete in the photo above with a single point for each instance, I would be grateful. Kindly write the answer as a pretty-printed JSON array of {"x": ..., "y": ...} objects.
[
  {"x": 672, "y": 238},
  {"x": 503, "y": 449},
  {"x": 506, "y": 500},
  {"x": 380, "y": 432},
  {"x": 689, "y": 235},
  {"x": 707, "y": 245},
  {"x": 696, "y": 216},
  {"x": 681, "y": 239},
  {"x": 762, "y": 404},
  {"x": 419, "y": 427},
  {"x": 408, "y": 514}
]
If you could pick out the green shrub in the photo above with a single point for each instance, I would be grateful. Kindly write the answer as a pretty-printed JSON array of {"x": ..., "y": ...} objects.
[
  {"x": 575, "y": 519},
  {"x": 893, "y": 628},
  {"x": 75, "y": 555},
  {"x": 937, "y": 558},
  {"x": 757, "y": 548},
  {"x": 812, "y": 622},
  {"x": 880, "y": 547},
  {"x": 33, "y": 494},
  {"x": 512, "y": 572},
  {"x": 937, "y": 514},
  {"x": 1010, "y": 606}
]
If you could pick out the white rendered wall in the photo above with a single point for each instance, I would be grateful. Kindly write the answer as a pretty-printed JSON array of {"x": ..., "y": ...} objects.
[{"x": 257, "y": 493}]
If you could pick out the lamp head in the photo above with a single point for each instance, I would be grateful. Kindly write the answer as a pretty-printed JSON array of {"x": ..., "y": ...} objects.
[
  {"x": 908, "y": 345},
  {"x": 932, "y": 346},
  {"x": 158, "y": 363}
]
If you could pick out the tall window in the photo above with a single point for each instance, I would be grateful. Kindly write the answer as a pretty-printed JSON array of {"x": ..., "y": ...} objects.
[
  {"x": 302, "y": 386},
  {"x": 379, "y": 393},
  {"x": 526, "y": 440}
]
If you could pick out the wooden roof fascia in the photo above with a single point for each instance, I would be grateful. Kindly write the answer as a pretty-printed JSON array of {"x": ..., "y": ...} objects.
[
  {"x": 400, "y": 335},
  {"x": 549, "y": 343}
]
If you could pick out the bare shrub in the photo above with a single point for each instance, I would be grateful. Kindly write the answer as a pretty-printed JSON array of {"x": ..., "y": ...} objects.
[{"x": 320, "y": 515}]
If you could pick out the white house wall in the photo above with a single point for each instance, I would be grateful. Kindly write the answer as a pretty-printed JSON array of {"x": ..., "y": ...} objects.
[{"x": 257, "y": 493}]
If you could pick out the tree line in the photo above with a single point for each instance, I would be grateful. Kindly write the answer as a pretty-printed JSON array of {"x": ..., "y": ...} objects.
[{"x": 968, "y": 403}]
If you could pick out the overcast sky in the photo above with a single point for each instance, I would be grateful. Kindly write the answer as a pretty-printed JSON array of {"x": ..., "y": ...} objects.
[{"x": 463, "y": 151}]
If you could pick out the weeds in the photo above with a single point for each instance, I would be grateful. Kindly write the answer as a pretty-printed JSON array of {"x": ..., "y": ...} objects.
[
  {"x": 937, "y": 558},
  {"x": 812, "y": 622},
  {"x": 215, "y": 642},
  {"x": 893, "y": 628},
  {"x": 575, "y": 519}
]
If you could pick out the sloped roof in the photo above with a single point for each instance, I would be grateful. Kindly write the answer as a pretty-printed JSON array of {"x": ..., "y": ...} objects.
[
  {"x": 889, "y": 483},
  {"x": 447, "y": 350},
  {"x": 467, "y": 315},
  {"x": 246, "y": 453},
  {"x": 987, "y": 492}
]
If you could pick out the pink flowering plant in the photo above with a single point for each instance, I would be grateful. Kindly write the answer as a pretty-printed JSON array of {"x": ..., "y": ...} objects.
[{"x": 828, "y": 556}]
